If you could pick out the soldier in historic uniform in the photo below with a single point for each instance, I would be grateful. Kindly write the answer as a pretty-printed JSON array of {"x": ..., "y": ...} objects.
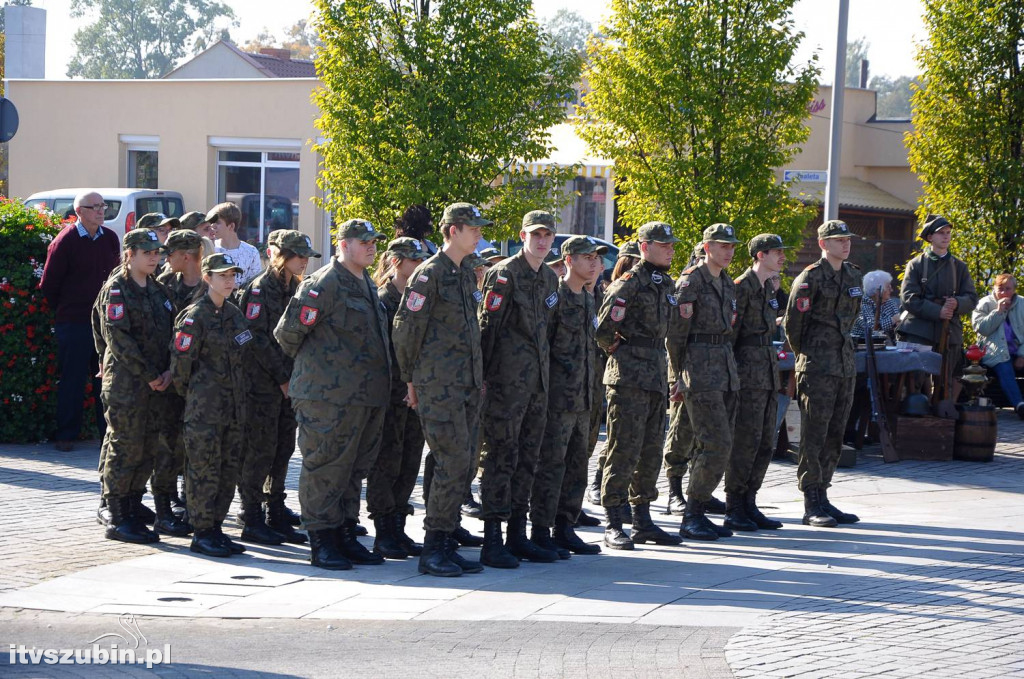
[
  {"x": 753, "y": 441},
  {"x": 437, "y": 343},
  {"x": 520, "y": 296},
  {"x": 633, "y": 323},
  {"x": 334, "y": 328},
  {"x": 823, "y": 305}
]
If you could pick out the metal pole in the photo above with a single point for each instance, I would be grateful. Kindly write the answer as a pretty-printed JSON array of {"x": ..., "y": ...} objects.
[{"x": 835, "y": 145}]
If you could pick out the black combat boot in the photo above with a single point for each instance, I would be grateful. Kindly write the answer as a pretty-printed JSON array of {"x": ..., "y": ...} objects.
[
  {"x": 434, "y": 559},
  {"x": 278, "y": 500},
  {"x": 103, "y": 513},
  {"x": 755, "y": 514},
  {"x": 585, "y": 520},
  {"x": 493, "y": 553},
  {"x": 324, "y": 553},
  {"x": 522, "y": 546},
  {"x": 594, "y": 489},
  {"x": 814, "y": 513},
  {"x": 208, "y": 542},
  {"x": 166, "y": 521},
  {"x": 385, "y": 542},
  {"x": 360, "y": 530},
  {"x": 412, "y": 548},
  {"x": 471, "y": 507},
  {"x": 467, "y": 539},
  {"x": 614, "y": 536},
  {"x": 566, "y": 538},
  {"x": 676, "y": 501},
  {"x": 235, "y": 547},
  {"x": 279, "y": 520},
  {"x": 178, "y": 505},
  {"x": 626, "y": 512},
  {"x": 141, "y": 511},
  {"x": 451, "y": 546},
  {"x": 833, "y": 511},
  {"x": 351, "y": 548},
  {"x": 255, "y": 528},
  {"x": 714, "y": 506},
  {"x": 122, "y": 527},
  {"x": 736, "y": 513},
  {"x": 541, "y": 536},
  {"x": 695, "y": 525},
  {"x": 645, "y": 530}
]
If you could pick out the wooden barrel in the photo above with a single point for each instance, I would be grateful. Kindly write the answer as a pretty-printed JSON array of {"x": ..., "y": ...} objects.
[{"x": 975, "y": 438}]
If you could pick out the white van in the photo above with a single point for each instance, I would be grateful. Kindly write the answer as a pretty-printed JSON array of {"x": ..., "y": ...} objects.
[{"x": 124, "y": 206}]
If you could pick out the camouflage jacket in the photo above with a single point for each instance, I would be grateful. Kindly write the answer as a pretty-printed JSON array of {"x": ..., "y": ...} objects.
[
  {"x": 637, "y": 311},
  {"x": 209, "y": 361},
  {"x": 436, "y": 334},
  {"x": 757, "y": 308},
  {"x": 181, "y": 294},
  {"x": 132, "y": 333},
  {"x": 573, "y": 351},
  {"x": 391, "y": 298},
  {"x": 700, "y": 346},
  {"x": 338, "y": 337},
  {"x": 822, "y": 307},
  {"x": 263, "y": 301},
  {"x": 927, "y": 281}
]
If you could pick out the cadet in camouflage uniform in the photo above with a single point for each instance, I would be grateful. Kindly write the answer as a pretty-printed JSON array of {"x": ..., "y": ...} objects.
[
  {"x": 520, "y": 295},
  {"x": 270, "y": 439},
  {"x": 756, "y": 360},
  {"x": 335, "y": 330},
  {"x": 632, "y": 326},
  {"x": 132, "y": 319},
  {"x": 208, "y": 364},
  {"x": 393, "y": 477},
  {"x": 561, "y": 477},
  {"x": 823, "y": 305},
  {"x": 437, "y": 344},
  {"x": 704, "y": 370}
]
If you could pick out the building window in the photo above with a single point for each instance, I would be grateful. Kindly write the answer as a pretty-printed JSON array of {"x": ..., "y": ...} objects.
[
  {"x": 264, "y": 185},
  {"x": 142, "y": 168}
]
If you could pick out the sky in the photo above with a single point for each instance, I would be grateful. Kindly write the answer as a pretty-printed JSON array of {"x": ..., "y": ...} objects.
[{"x": 891, "y": 27}]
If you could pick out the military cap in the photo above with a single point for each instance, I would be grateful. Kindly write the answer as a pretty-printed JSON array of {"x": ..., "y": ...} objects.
[
  {"x": 464, "y": 213},
  {"x": 360, "y": 229},
  {"x": 219, "y": 262},
  {"x": 172, "y": 222},
  {"x": 408, "y": 248},
  {"x": 142, "y": 239},
  {"x": 763, "y": 242},
  {"x": 538, "y": 219},
  {"x": 582, "y": 245},
  {"x": 698, "y": 250},
  {"x": 630, "y": 249},
  {"x": 553, "y": 256},
  {"x": 659, "y": 232},
  {"x": 933, "y": 224},
  {"x": 183, "y": 239},
  {"x": 834, "y": 228},
  {"x": 296, "y": 241},
  {"x": 491, "y": 253},
  {"x": 150, "y": 220},
  {"x": 476, "y": 261},
  {"x": 720, "y": 233},
  {"x": 190, "y": 220},
  {"x": 213, "y": 215}
]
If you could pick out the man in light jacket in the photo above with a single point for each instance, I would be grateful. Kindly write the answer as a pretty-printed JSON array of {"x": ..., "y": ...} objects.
[{"x": 999, "y": 322}]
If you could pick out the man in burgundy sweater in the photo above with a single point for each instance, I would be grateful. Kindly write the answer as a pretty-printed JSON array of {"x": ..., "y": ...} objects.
[{"x": 78, "y": 261}]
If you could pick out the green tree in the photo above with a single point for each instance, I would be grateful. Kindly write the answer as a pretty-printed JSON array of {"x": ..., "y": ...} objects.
[
  {"x": 434, "y": 102},
  {"x": 143, "y": 38},
  {"x": 569, "y": 30},
  {"x": 301, "y": 38},
  {"x": 696, "y": 108},
  {"x": 894, "y": 95},
  {"x": 856, "y": 52},
  {"x": 967, "y": 144}
]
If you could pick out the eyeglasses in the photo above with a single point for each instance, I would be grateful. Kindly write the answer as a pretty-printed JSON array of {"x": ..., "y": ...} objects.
[{"x": 99, "y": 206}]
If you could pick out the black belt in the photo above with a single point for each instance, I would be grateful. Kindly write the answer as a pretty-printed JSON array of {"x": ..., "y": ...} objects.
[
  {"x": 644, "y": 342},
  {"x": 754, "y": 341},
  {"x": 701, "y": 338}
]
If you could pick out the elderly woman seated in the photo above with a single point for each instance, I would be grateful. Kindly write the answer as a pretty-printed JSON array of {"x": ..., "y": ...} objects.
[
  {"x": 999, "y": 321},
  {"x": 875, "y": 282}
]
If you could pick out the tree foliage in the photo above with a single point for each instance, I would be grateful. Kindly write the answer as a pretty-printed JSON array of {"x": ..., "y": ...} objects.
[
  {"x": 435, "y": 102},
  {"x": 300, "y": 38},
  {"x": 696, "y": 107},
  {"x": 968, "y": 134},
  {"x": 143, "y": 38},
  {"x": 569, "y": 30},
  {"x": 856, "y": 52}
]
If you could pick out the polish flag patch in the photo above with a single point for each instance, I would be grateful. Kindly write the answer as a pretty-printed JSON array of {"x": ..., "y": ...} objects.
[{"x": 415, "y": 301}]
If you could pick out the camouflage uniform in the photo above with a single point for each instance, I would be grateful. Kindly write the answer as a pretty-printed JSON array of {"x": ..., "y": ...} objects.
[{"x": 335, "y": 329}]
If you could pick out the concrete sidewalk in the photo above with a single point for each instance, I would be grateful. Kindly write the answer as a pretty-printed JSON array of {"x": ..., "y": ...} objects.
[{"x": 930, "y": 582}]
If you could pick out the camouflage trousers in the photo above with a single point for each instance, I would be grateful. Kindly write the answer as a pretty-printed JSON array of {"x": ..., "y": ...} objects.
[
  {"x": 753, "y": 440},
  {"x": 712, "y": 417},
  {"x": 393, "y": 477},
  {"x": 562, "y": 466},
  {"x": 636, "y": 434},
  {"x": 270, "y": 443},
  {"x": 451, "y": 426},
  {"x": 679, "y": 442},
  {"x": 212, "y": 452},
  {"x": 825, "y": 402},
  {"x": 338, "y": 446},
  {"x": 126, "y": 454},
  {"x": 169, "y": 460},
  {"x": 509, "y": 461}
]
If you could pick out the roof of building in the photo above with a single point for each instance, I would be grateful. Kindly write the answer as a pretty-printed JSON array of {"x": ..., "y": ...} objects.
[
  {"x": 272, "y": 63},
  {"x": 854, "y": 194}
]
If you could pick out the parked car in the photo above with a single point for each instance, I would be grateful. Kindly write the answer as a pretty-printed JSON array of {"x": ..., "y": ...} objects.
[
  {"x": 513, "y": 246},
  {"x": 124, "y": 206}
]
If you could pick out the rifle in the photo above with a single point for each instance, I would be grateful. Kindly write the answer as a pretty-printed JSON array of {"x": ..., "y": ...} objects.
[{"x": 878, "y": 411}]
